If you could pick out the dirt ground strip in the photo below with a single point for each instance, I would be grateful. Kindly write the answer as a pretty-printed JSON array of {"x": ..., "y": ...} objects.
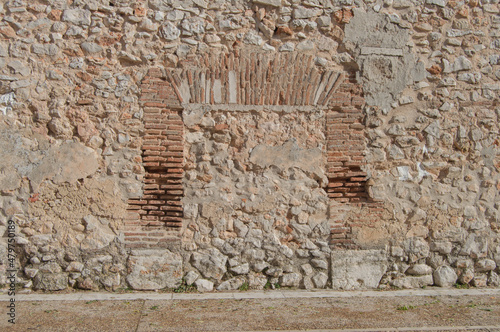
[{"x": 258, "y": 314}]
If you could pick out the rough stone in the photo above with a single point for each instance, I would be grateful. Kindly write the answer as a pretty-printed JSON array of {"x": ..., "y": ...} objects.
[
  {"x": 50, "y": 267},
  {"x": 419, "y": 270},
  {"x": 480, "y": 280},
  {"x": 256, "y": 281},
  {"x": 320, "y": 264},
  {"x": 154, "y": 269},
  {"x": 475, "y": 246},
  {"x": 253, "y": 38},
  {"x": 203, "y": 285},
  {"x": 169, "y": 31},
  {"x": 290, "y": 280},
  {"x": 286, "y": 156},
  {"x": 91, "y": 48},
  {"x": 287, "y": 47},
  {"x": 98, "y": 234},
  {"x": 485, "y": 265},
  {"x": 75, "y": 267},
  {"x": 303, "y": 12},
  {"x": 307, "y": 269},
  {"x": 30, "y": 272},
  {"x": 445, "y": 276},
  {"x": 211, "y": 263},
  {"x": 111, "y": 281},
  {"x": 306, "y": 45},
  {"x": 73, "y": 161},
  {"x": 191, "y": 277},
  {"x": 240, "y": 269},
  {"x": 361, "y": 269},
  {"x": 413, "y": 282},
  {"x": 416, "y": 248},
  {"x": 320, "y": 280},
  {"x": 274, "y": 3},
  {"x": 439, "y": 3},
  {"x": 76, "y": 16}
]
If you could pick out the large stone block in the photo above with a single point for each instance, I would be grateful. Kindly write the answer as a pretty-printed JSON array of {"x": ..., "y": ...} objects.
[
  {"x": 413, "y": 282},
  {"x": 98, "y": 234},
  {"x": 357, "y": 269},
  {"x": 51, "y": 281},
  {"x": 154, "y": 269},
  {"x": 445, "y": 276}
]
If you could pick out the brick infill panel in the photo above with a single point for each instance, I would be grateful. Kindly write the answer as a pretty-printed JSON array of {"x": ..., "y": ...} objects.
[{"x": 159, "y": 210}]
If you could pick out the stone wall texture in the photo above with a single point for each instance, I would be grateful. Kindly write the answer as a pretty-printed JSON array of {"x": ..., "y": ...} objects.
[{"x": 157, "y": 144}]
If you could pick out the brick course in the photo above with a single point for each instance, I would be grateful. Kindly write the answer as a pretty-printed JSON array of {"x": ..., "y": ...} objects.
[{"x": 158, "y": 213}]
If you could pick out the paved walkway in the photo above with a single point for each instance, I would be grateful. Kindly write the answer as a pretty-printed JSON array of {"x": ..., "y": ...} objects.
[
  {"x": 269, "y": 294},
  {"x": 431, "y": 309}
]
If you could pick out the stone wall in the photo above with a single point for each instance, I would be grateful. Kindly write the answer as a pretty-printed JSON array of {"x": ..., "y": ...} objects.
[{"x": 313, "y": 144}]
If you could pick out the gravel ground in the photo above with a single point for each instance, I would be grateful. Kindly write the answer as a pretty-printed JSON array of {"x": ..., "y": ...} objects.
[{"x": 408, "y": 313}]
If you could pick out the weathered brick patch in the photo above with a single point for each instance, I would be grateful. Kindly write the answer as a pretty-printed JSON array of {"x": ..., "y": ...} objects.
[
  {"x": 347, "y": 178},
  {"x": 156, "y": 217}
]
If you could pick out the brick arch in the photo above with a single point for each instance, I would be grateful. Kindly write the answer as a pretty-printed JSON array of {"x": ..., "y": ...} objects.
[
  {"x": 253, "y": 79},
  {"x": 259, "y": 79}
]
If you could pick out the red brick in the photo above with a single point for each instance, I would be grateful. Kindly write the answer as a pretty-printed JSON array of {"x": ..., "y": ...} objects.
[
  {"x": 171, "y": 219},
  {"x": 154, "y": 104},
  {"x": 172, "y": 208},
  {"x": 358, "y": 179},
  {"x": 173, "y": 224},
  {"x": 155, "y": 202}
]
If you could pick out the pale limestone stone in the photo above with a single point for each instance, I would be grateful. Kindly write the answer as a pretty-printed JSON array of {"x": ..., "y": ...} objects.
[
  {"x": 211, "y": 263},
  {"x": 169, "y": 31},
  {"x": 191, "y": 277},
  {"x": 273, "y": 3},
  {"x": 76, "y": 16},
  {"x": 203, "y": 285},
  {"x": 320, "y": 280},
  {"x": 154, "y": 269},
  {"x": 51, "y": 281},
  {"x": 419, "y": 270},
  {"x": 352, "y": 269},
  {"x": 413, "y": 282},
  {"x": 290, "y": 279},
  {"x": 485, "y": 265},
  {"x": 231, "y": 284}
]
